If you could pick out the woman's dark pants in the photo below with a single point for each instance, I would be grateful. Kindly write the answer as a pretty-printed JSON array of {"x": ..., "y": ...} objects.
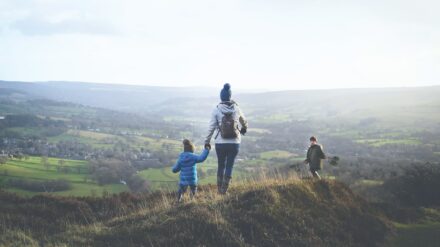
[{"x": 226, "y": 154}]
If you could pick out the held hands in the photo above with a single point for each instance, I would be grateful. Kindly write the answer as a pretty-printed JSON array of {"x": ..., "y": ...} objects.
[{"x": 208, "y": 146}]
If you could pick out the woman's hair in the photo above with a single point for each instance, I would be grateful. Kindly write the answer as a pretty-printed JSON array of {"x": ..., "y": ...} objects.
[{"x": 188, "y": 146}]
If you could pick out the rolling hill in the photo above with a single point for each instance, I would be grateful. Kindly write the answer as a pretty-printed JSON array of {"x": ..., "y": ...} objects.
[
  {"x": 280, "y": 212},
  {"x": 415, "y": 105}
]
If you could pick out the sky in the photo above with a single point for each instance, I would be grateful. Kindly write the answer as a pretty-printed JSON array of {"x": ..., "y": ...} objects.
[{"x": 291, "y": 44}]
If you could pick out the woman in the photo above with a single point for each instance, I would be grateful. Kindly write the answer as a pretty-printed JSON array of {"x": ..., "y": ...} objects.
[{"x": 225, "y": 119}]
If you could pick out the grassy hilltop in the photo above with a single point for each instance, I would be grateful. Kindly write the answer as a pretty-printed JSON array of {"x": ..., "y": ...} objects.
[{"x": 272, "y": 212}]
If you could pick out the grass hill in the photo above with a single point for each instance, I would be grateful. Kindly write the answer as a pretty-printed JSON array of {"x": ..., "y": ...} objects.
[{"x": 272, "y": 212}]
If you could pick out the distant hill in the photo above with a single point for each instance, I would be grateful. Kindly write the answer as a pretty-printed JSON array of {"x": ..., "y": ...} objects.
[
  {"x": 117, "y": 97},
  {"x": 394, "y": 107},
  {"x": 403, "y": 107},
  {"x": 356, "y": 103},
  {"x": 267, "y": 213},
  {"x": 418, "y": 105}
]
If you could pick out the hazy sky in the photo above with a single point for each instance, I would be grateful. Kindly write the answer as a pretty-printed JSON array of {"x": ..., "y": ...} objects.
[{"x": 249, "y": 43}]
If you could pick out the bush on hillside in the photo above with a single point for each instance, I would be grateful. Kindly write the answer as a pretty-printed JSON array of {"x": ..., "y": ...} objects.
[
  {"x": 418, "y": 186},
  {"x": 111, "y": 170},
  {"x": 137, "y": 184},
  {"x": 40, "y": 186}
]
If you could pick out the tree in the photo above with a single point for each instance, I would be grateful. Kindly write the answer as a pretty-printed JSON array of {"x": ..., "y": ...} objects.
[
  {"x": 110, "y": 170},
  {"x": 417, "y": 186},
  {"x": 3, "y": 160},
  {"x": 62, "y": 167},
  {"x": 61, "y": 162},
  {"x": 138, "y": 184},
  {"x": 45, "y": 162}
]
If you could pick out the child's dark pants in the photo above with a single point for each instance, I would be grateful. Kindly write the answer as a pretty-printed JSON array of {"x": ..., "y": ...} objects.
[{"x": 182, "y": 190}]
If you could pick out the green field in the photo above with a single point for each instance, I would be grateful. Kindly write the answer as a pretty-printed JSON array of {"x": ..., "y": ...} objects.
[
  {"x": 159, "y": 178},
  {"x": 33, "y": 169},
  {"x": 94, "y": 139},
  {"x": 421, "y": 234},
  {"x": 382, "y": 142},
  {"x": 277, "y": 154},
  {"x": 369, "y": 182},
  {"x": 164, "y": 178},
  {"x": 107, "y": 141}
]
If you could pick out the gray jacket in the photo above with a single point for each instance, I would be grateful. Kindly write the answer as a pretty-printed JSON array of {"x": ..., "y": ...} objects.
[{"x": 216, "y": 119}]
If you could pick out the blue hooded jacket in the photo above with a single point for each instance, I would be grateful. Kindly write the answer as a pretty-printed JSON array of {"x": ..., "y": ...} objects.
[{"x": 187, "y": 165}]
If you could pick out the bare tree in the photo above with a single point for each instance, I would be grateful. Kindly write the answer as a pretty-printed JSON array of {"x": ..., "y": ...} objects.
[
  {"x": 61, "y": 166},
  {"x": 45, "y": 162},
  {"x": 3, "y": 160}
]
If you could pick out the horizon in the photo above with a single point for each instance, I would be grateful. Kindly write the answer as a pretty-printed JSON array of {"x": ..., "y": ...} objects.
[
  {"x": 220, "y": 85},
  {"x": 274, "y": 46}
]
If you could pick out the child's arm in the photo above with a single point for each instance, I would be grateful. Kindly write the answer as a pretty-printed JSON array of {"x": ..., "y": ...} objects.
[
  {"x": 177, "y": 166},
  {"x": 203, "y": 156}
]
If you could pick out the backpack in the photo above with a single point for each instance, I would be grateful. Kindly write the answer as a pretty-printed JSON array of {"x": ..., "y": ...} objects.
[{"x": 228, "y": 127}]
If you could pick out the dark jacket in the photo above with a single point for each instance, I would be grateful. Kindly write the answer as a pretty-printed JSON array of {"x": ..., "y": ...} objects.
[{"x": 314, "y": 157}]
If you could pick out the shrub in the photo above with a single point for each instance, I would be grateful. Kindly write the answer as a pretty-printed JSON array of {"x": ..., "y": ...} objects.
[
  {"x": 418, "y": 186},
  {"x": 111, "y": 170},
  {"x": 40, "y": 186}
]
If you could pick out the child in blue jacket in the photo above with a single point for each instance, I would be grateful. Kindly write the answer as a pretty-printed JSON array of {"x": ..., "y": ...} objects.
[{"x": 187, "y": 165}]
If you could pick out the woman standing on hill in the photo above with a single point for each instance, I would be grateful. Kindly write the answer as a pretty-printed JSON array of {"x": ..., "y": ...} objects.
[{"x": 225, "y": 119}]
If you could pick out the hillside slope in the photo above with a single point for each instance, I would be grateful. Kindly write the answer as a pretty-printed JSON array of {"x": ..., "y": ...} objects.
[{"x": 269, "y": 213}]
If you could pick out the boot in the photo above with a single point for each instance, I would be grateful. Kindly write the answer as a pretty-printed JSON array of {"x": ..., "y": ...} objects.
[
  {"x": 179, "y": 197},
  {"x": 193, "y": 192},
  {"x": 219, "y": 184},
  {"x": 225, "y": 184},
  {"x": 316, "y": 175}
]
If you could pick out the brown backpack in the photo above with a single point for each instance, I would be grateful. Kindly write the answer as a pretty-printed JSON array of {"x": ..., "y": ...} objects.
[{"x": 228, "y": 126}]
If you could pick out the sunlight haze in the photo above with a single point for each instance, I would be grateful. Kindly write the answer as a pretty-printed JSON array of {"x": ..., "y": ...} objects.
[{"x": 251, "y": 44}]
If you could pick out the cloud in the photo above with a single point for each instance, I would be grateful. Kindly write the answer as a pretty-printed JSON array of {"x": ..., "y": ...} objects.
[
  {"x": 50, "y": 17},
  {"x": 41, "y": 26}
]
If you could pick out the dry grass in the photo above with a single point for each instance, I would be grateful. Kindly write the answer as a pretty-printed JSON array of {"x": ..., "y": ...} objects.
[{"x": 277, "y": 210}]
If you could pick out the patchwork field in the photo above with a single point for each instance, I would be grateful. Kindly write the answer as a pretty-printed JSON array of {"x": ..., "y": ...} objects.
[{"x": 34, "y": 169}]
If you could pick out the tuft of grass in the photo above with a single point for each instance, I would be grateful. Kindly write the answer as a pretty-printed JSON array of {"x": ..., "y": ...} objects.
[{"x": 17, "y": 238}]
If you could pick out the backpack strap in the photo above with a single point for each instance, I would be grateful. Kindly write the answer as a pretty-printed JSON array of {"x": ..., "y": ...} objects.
[{"x": 218, "y": 132}]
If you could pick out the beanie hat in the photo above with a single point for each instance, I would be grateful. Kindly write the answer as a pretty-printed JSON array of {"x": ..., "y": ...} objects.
[
  {"x": 225, "y": 94},
  {"x": 188, "y": 146}
]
